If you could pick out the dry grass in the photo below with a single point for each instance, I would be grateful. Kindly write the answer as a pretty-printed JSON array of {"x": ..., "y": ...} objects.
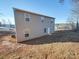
[{"x": 60, "y": 45}]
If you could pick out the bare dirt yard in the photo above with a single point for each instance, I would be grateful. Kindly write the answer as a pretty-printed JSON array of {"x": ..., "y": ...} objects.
[{"x": 59, "y": 45}]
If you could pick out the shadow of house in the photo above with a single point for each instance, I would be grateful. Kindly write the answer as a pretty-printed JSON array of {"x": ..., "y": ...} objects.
[{"x": 61, "y": 36}]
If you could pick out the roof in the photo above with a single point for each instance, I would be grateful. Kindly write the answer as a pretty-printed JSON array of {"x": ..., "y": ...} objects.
[{"x": 16, "y": 9}]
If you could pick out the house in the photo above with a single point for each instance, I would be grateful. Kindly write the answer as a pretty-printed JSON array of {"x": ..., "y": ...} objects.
[{"x": 30, "y": 25}]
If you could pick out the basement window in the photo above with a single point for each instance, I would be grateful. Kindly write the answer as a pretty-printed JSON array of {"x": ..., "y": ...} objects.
[{"x": 26, "y": 35}]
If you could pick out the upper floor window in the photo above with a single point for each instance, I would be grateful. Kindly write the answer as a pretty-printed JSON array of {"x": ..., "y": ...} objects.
[
  {"x": 42, "y": 19},
  {"x": 27, "y": 17},
  {"x": 51, "y": 20}
]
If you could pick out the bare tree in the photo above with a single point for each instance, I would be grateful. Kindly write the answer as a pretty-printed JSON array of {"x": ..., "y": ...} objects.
[
  {"x": 9, "y": 23},
  {"x": 75, "y": 1},
  {"x": 61, "y": 1},
  {"x": 71, "y": 22},
  {"x": 74, "y": 12},
  {"x": 4, "y": 21}
]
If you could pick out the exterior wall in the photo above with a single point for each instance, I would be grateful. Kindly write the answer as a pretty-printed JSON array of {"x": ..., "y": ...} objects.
[{"x": 35, "y": 27}]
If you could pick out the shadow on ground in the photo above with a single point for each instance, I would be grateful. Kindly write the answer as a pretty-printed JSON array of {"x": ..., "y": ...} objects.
[{"x": 60, "y": 36}]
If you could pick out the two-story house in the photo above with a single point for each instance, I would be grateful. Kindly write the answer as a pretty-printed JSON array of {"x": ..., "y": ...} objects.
[{"x": 30, "y": 25}]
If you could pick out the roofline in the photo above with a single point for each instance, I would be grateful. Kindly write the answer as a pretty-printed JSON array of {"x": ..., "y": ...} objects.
[{"x": 32, "y": 12}]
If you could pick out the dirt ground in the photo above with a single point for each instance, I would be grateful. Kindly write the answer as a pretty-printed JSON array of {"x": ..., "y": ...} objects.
[{"x": 59, "y": 45}]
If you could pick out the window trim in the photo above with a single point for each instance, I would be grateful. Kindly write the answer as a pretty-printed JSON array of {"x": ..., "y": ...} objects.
[
  {"x": 27, "y": 16},
  {"x": 42, "y": 18},
  {"x": 52, "y": 21}
]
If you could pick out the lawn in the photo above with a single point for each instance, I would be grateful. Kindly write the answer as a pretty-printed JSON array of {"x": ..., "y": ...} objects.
[{"x": 59, "y": 45}]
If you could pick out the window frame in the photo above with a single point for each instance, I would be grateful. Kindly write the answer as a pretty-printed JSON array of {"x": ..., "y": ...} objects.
[
  {"x": 27, "y": 16},
  {"x": 52, "y": 20},
  {"x": 42, "y": 19}
]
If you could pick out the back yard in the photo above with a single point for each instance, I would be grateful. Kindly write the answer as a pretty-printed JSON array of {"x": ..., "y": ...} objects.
[{"x": 59, "y": 45}]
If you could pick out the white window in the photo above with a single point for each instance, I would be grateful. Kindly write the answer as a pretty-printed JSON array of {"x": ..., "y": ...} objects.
[
  {"x": 51, "y": 20},
  {"x": 42, "y": 19},
  {"x": 27, "y": 17}
]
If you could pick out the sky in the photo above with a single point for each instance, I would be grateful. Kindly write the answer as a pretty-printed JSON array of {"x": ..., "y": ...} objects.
[{"x": 47, "y": 7}]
